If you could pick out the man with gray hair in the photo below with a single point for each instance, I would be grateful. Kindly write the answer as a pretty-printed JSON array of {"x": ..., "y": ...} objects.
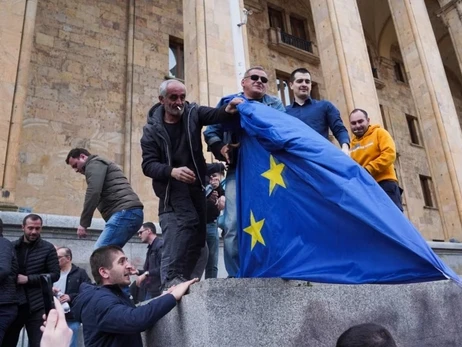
[
  {"x": 172, "y": 156},
  {"x": 223, "y": 143}
]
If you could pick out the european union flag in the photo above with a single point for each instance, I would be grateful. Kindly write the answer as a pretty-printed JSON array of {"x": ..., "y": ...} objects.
[{"x": 308, "y": 212}]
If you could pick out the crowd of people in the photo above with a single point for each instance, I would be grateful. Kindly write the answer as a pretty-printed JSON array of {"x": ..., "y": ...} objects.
[{"x": 195, "y": 199}]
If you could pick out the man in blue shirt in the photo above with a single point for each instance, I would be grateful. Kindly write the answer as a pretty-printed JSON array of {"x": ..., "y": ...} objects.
[
  {"x": 223, "y": 143},
  {"x": 320, "y": 115}
]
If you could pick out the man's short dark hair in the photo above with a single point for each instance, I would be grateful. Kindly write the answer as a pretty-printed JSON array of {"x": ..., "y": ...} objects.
[
  {"x": 301, "y": 70},
  {"x": 67, "y": 252},
  {"x": 102, "y": 257},
  {"x": 254, "y": 68},
  {"x": 75, "y": 153},
  {"x": 360, "y": 110},
  {"x": 1, "y": 227},
  {"x": 150, "y": 226},
  {"x": 33, "y": 217},
  {"x": 366, "y": 335}
]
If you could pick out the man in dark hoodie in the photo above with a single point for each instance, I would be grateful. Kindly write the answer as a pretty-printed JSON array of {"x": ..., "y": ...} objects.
[
  {"x": 108, "y": 190},
  {"x": 173, "y": 158},
  {"x": 8, "y": 274},
  {"x": 108, "y": 316},
  {"x": 35, "y": 257}
]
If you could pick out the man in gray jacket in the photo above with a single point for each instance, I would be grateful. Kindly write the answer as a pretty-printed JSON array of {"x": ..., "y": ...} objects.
[{"x": 109, "y": 191}]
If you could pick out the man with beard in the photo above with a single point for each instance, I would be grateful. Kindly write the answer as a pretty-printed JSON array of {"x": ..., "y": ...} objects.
[
  {"x": 173, "y": 158},
  {"x": 108, "y": 190},
  {"x": 35, "y": 257},
  {"x": 374, "y": 149},
  {"x": 224, "y": 146}
]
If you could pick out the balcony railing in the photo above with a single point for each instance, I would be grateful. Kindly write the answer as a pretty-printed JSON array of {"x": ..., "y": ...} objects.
[
  {"x": 296, "y": 42},
  {"x": 293, "y": 46}
]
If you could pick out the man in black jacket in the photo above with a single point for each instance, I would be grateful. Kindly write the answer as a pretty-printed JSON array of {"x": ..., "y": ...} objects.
[
  {"x": 68, "y": 284},
  {"x": 173, "y": 158},
  {"x": 35, "y": 257},
  {"x": 8, "y": 274},
  {"x": 149, "y": 279},
  {"x": 108, "y": 190}
]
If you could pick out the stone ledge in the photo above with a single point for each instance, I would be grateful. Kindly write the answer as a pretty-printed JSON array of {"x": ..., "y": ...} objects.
[
  {"x": 55, "y": 221},
  {"x": 274, "y": 313}
]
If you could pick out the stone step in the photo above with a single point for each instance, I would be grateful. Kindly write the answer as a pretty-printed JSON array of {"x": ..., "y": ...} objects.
[{"x": 275, "y": 313}]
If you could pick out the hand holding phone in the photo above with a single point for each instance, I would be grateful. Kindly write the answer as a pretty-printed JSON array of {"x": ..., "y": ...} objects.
[
  {"x": 56, "y": 332},
  {"x": 47, "y": 292}
]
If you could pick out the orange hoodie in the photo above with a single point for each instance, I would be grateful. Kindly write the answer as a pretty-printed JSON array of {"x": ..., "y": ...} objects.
[{"x": 376, "y": 152}]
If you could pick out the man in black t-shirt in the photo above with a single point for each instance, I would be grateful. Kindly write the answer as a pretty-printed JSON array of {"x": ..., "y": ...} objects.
[{"x": 173, "y": 158}]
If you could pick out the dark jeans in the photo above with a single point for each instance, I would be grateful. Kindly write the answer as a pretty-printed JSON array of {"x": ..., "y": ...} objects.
[
  {"x": 8, "y": 314},
  {"x": 183, "y": 231},
  {"x": 32, "y": 321},
  {"x": 393, "y": 191}
]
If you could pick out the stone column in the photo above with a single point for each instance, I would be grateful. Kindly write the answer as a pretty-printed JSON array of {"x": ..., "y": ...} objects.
[
  {"x": 451, "y": 14},
  {"x": 211, "y": 64},
  {"x": 345, "y": 63},
  {"x": 129, "y": 90},
  {"x": 435, "y": 106},
  {"x": 17, "y": 23}
]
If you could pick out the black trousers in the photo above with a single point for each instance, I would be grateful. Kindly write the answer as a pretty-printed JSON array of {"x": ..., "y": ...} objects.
[
  {"x": 183, "y": 231},
  {"x": 32, "y": 321},
  {"x": 8, "y": 314},
  {"x": 393, "y": 191}
]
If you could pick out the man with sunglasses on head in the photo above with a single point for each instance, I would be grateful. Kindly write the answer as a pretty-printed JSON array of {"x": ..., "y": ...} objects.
[
  {"x": 172, "y": 156},
  {"x": 320, "y": 115},
  {"x": 223, "y": 143}
]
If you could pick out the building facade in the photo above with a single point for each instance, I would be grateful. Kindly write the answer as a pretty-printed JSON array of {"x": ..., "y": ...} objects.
[{"x": 84, "y": 73}]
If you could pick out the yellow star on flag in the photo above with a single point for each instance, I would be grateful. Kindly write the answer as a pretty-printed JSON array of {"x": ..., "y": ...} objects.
[
  {"x": 274, "y": 174},
  {"x": 254, "y": 230}
]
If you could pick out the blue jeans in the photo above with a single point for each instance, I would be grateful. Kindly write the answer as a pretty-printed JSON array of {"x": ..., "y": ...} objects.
[
  {"x": 230, "y": 238},
  {"x": 120, "y": 228},
  {"x": 211, "y": 269},
  {"x": 74, "y": 326}
]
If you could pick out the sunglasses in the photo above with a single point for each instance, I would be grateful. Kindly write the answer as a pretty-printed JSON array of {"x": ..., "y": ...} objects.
[
  {"x": 141, "y": 231},
  {"x": 263, "y": 79}
]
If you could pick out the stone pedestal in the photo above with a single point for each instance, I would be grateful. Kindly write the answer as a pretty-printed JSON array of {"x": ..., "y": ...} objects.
[
  {"x": 430, "y": 89},
  {"x": 345, "y": 63},
  {"x": 274, "y": 313}
]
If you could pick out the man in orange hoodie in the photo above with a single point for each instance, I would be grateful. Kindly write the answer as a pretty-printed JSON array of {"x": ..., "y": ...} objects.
[{"x": 373, "y": 148}]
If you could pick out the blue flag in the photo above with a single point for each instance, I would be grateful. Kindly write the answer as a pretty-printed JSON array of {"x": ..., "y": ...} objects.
[{"x": 307, "y": 211}]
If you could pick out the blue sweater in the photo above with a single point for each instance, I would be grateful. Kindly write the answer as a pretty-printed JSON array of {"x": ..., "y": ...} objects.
[
  {"x": 321, "y": 115},
  {"x": 110, "y": 319}
]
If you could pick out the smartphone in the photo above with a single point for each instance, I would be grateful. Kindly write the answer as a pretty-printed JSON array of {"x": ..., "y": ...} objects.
[{"x": 47, "y": 292}]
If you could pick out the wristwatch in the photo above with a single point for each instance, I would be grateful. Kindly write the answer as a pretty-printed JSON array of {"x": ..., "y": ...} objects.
[{"x": 146, "y": 273}]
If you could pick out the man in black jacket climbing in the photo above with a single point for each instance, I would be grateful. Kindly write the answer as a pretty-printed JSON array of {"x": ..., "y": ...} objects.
[{"x": 173, "y": 158}]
